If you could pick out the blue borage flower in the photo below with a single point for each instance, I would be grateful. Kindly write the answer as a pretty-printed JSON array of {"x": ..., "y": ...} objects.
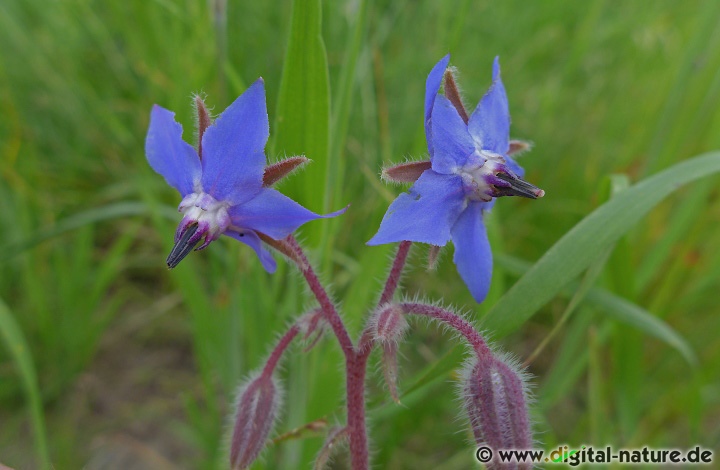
[
  {"x": 222, "y": 189},
  {"x": 469, "y": 167}
]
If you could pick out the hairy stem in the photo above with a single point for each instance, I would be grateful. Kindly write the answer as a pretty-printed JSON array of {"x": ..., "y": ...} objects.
[
  {"x": 395, "y": 273},
  {"x": 357, "y": 428},
  {"x": 277, "y": 353},
  {"x": 391, "y": 284},
  {"x": 328, "y": 308},
  {"x": 454, "y": 321},
  {"x": 357, "y": 368},
  {"x": 355, "y": 364}
]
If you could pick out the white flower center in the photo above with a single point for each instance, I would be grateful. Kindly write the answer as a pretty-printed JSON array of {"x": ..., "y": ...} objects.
[
  {"x": 211, "y": 216},
  {"x": 481, "y": 166}
]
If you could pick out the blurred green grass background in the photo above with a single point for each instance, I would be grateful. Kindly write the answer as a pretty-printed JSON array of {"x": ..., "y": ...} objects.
[{"x": 136, "y": 365}]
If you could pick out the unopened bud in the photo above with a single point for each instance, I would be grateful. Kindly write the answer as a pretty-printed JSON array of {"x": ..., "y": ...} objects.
[
  {"x": 312, "y": 327},
  {"x": 277, "y": 171},
  {"x": 388, "y": 324},
  {"x": 496, "y": 403},
  {"x": 407, "y": 172},
  {"x": 387, "y": 327},
  {"x": 257, "y": 406}
]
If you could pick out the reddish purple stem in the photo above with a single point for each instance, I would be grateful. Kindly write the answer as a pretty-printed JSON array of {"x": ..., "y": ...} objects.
[
  {"x": 355, "y": 364},
  {"x": 277, "y": 353},
  {"x": 391, "y": 285},
  {"x": 328, "y": 308},
  {"x": 356, "y": 358},
  {"x": 357, "y": 429},
  {"x": 456, "y": 322},
  {"x": 395, "y": 273}
]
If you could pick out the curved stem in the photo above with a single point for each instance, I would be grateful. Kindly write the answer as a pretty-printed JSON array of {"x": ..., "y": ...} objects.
[
  {"x": 456, "y": 322},
  {"x": 331, "y": 314},
  {"x": 355, "y": 363},
  {"x": 277, "y": 353},
  {"x": 395, "y": 272},
  {"x": 391, "y": 285}
]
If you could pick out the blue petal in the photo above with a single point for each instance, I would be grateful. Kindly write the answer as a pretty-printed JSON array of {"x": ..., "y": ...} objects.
[
  {"x": 233, "y": 148},
  {"x": 451, "y": 141},
  {"x": 425, "y": 213},
  {"x": 490, "y": 122},
  {"x": 473, "y": 256},
  {"x": 168, "y": 154},
  {"x": 432, "y": 85},
  {"x": 273, "y": 214},
  {"x": 252, "y": 240}
]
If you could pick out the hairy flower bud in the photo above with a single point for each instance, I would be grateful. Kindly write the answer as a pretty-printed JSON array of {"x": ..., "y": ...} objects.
[
  {"x": 388, "y": 324},
  {"x": 495, "y": 400},
  {"x": 257, "y": 406},
  {"x": 312, "y": 327},
  {"x": 387, "y": 327}
]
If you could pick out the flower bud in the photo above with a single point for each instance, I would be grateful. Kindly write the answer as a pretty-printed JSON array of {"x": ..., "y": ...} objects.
[
  {"x": 257, "y": 406},
  {"x": 495, "y": 400},
  {"x": 312, "y": 327},
  {"x": 388, "y": 325},
  {"x": 387, "y": 328}
]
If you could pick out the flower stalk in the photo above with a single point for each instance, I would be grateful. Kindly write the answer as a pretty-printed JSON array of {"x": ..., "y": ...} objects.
[{"x": 227, "y": 189}]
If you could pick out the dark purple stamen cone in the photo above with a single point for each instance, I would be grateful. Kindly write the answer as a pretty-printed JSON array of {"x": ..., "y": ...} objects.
[
  {"x": 495, "y": 400},
  {"x": 517, "y": 187},
  {"x": 256, "y": 411},
  {"x": 183, "y": 246}
]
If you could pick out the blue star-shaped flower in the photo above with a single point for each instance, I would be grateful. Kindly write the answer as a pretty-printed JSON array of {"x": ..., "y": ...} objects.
[
  {"x": 469, "y": 167},
  {"x": 223, "y": 192}
]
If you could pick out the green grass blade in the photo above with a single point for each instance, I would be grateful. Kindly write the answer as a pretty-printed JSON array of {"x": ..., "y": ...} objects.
[
  {"x": 617, "y": 307},
  {"x": 91, "y": 216},
  {"x": 342, "y": 104},
  {"x": 570, "y": 361},
  {"x": 632, "y": 314},
  {"x": 578, "y": 248},
  {"x": 688, "y": 212},
  {"x": 15, "y": 340},
  {"x": 597, "y": 413},
  {"x": 302, "y": 121}
]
